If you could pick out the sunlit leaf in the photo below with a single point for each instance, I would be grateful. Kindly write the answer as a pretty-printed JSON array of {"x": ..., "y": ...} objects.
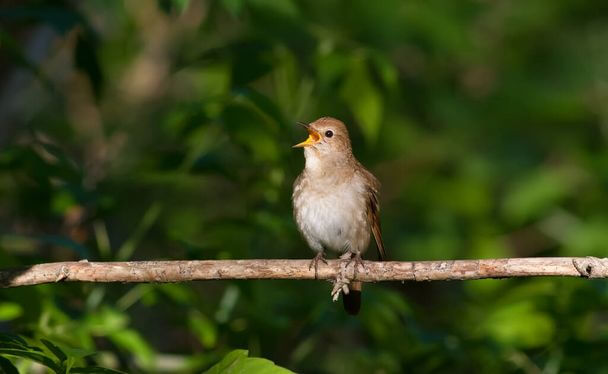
[{"x": 238, "y": 362}]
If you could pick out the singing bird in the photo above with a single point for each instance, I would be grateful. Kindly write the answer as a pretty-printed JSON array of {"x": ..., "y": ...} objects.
[{"x": 335, "y": 200}]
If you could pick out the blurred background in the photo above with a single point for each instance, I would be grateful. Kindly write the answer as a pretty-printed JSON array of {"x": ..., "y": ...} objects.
[{"x": 143, "y": 130}]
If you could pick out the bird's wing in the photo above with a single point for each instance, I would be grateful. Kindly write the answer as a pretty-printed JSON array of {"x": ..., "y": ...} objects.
[{"x": 373, "y": 214}]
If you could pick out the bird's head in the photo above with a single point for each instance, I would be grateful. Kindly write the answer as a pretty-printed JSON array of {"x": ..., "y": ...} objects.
[{"x": 327, "y": 140}]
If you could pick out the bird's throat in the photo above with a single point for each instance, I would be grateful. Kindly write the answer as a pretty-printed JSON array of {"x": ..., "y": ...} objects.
[
  {"x": 318, "y": 162},
  {"x": 313, "y": 160}
]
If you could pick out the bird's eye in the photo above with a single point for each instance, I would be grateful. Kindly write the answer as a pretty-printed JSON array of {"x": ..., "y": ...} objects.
[{"x": 329, "y": 133}]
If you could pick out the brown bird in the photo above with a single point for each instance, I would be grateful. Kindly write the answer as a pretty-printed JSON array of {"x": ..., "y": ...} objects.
[{"x": 335, "y": 200}]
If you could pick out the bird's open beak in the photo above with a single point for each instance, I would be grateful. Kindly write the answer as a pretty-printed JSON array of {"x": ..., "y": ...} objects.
[{"x": 313, "y": 137}]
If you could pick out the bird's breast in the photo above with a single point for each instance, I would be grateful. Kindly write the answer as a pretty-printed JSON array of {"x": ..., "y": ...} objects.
[{"x": 333, "y": 215}]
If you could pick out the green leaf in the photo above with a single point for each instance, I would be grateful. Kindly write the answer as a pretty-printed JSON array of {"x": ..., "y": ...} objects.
[
  {"x": 34, "y": 356},
  {"x": 363, "y": 99},
  {"x": 16, "y": 340},
  {"x": 55, "y": 350},
  {"x": 7, "y": 367},
  {"x": 18, "y": 346},
  {"x": 10, "y": 311},
  {"x": 238, "y": 362},
  {"x": 77, "y": 353}
]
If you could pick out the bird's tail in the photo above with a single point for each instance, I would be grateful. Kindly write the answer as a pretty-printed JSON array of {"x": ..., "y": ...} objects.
[{"x": 352, "y": 300}]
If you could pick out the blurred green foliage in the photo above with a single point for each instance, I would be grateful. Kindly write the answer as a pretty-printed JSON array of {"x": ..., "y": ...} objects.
[
  {"x": 163, "y": 129},
  {"x": 53, "y": 357}
]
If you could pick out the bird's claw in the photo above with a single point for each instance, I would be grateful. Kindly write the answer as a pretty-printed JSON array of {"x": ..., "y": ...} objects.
[
  {"x": 340, "y": 287},
  {"x": 358, "y": 261},
  {"x": 315, "y": 262},
  {"x": 342, "y": 280}
]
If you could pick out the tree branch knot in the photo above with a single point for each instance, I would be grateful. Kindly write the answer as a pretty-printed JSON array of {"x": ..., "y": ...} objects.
[
  {"x": 591, "y": 267},
  {"x": 62, "y": 274}
]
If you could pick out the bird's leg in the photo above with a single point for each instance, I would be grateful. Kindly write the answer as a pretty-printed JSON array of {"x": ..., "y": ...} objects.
[
  {"x": 358, "y": 262},
  {"x": 315, "y": 262},
  {"x": 356, "y": 258}
]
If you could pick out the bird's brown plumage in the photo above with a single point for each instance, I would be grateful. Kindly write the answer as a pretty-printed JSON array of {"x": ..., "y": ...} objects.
[
  {"x": 373, "y": 212},
  {"x": 335, "y": 198}
]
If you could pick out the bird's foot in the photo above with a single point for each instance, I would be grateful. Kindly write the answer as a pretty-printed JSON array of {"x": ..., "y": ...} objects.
[
  {"x": 315, "y": 262},
  {"x": 340, "y": 284},
  {"x": 358, "y": 261},
  {"x": 342, "y": 280}
]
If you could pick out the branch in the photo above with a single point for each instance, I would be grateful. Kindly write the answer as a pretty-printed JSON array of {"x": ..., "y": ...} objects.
[{"x": 182, "y": 271}]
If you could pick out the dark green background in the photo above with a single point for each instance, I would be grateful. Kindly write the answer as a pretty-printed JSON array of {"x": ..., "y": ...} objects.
[{"x": 163, "y": 129}]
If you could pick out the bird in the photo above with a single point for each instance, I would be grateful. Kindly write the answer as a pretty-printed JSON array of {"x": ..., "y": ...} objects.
[{"x": 336, "y": 201}]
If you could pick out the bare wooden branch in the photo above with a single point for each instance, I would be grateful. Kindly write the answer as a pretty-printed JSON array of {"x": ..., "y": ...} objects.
[{"x": 183, "y": 271}]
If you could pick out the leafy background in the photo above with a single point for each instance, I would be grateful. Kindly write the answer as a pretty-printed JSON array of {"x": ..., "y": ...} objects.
[{"x": 162, "y": 129}]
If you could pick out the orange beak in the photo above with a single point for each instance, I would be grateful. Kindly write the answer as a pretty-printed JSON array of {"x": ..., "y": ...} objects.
[{"x": 313, "y": 137}]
